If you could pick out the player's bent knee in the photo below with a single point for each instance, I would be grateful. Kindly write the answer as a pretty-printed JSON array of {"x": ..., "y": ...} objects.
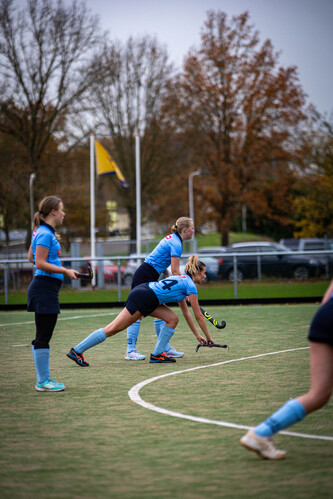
[{"x": 174, "y": 321}]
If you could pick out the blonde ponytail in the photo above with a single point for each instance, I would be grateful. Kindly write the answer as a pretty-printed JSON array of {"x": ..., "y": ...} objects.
[{"x": 193, "y": 266}]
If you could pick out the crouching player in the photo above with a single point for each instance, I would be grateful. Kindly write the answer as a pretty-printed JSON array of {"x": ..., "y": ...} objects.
[{"x": 150, "y": 299}]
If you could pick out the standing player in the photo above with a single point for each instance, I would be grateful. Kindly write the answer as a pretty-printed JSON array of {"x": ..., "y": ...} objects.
[
  {"x": 167, "y": 252},
  {"x": 321, "y": 371},
  {"x": 44, "y": 288},
  {"x": 149, "y": 299}
]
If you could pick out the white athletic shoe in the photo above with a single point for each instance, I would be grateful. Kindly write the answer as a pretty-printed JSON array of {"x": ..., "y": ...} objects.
[
  {"x": 173, "y": 354},
  {"x": 263, "y": 446},
  {"x": 134, "y": 355}
]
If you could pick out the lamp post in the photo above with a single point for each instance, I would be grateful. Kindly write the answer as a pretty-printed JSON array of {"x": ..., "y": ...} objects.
[{"x": 32, "y": 176}]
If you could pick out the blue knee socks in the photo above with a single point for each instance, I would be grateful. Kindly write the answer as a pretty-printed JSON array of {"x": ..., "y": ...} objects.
[
  {"x": 158, "y": 324},
  {"x": 291, "y": 412},
  {"x": 41, "y": 358},
  {"x": 163, "y": 339},
  {"x": 93, "y": 339},
  {"x": 132, "y": 335}
]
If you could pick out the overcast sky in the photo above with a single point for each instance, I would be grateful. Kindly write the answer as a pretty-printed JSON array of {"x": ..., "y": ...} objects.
[{"x": 301, "y": 29}]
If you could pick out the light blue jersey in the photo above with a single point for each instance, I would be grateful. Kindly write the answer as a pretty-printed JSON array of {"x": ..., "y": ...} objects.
[
  {"x": 173, "y": 289},
  {"x": 45, "y": 236},
  {"x": 160, "y": 257}
]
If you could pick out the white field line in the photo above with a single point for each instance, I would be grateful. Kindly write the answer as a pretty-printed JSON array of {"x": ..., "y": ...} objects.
[
  {"x": 59, "y": 319},
  {"x": 135, "y": 397}
]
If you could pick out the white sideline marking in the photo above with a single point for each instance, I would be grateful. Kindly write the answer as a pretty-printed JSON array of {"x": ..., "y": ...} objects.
[
  {"x": 59, "y": 319},
  {"x": 135, "y": 397}
]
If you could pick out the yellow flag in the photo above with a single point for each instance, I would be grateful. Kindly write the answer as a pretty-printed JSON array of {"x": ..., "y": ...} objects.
[{"x": 106, "y": 165}]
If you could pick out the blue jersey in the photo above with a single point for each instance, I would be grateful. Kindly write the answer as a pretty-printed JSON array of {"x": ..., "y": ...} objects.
[
  {"x": 160, "y": 257},
  {"x": 173, "y": 289},
  {"x": 45, "y": 236}
]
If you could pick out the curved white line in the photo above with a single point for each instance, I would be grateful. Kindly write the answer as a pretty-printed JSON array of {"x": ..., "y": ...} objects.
[{"x": 135, "y": 397}]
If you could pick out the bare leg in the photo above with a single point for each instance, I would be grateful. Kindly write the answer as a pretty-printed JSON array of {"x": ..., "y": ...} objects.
[
  {"x": 166, "y": 314},
  {"x": 121, "y": 322},
  {"x": 321, "y": 370}
]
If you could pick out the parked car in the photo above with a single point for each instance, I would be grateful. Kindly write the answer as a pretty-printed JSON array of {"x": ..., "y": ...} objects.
[
  {"x": 132, "y": 264},
  {"x": 313, "y": 244},
  {"x": 277, "y": 264},
  {"x": 110, "y": 271}
]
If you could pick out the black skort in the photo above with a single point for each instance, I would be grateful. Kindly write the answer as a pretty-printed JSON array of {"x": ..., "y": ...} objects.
[
  {"x": 43, "y": 295},
  {"x": 321, "y": 329},
  {"x": 142, "y": 299},
  {"x": 144, "y": 273}
]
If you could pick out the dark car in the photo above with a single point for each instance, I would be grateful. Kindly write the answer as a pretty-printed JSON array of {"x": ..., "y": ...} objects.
[
  {"x": 270, "y": 260},
  {"x": 313, "y": 245}
]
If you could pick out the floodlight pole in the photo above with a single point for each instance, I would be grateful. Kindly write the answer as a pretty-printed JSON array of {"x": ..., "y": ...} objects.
[
  {"x": 138, "y": 192},
  {"x": 92, "y": 206},
  {"x": 191, "y": 204}
]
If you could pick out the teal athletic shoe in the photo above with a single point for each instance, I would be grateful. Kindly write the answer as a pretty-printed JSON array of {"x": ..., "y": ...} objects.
[{"x": 50, "y": 385}]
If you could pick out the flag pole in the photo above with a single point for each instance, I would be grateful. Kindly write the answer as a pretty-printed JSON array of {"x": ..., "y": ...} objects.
[
  {"x": 92, "y": 203},
  {"x": 138, "y": 193}
]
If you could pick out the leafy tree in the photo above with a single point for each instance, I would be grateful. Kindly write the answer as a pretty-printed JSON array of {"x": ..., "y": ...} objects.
[
  {"x": 313, "y": 207},
  {"x": 238, "y": 110}
]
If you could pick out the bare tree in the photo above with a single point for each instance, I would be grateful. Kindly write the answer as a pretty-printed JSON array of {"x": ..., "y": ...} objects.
[
  {"x": 128, "y": 101},
  {"x": 44, "y": 70}
]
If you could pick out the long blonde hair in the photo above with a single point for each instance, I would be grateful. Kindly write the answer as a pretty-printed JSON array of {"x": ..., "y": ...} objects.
[
  {"x": 193, "y": 266},
  {"x": 180, "y": 224}
]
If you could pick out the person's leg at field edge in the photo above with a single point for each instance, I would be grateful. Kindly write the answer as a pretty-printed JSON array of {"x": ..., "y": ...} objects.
[{"x": 321, "y": 371}]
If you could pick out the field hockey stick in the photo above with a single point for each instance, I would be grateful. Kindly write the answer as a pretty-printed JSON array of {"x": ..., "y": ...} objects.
[
  {"x": 213, "y": 321},
  {"x": 89, "y": 275},
  {"x": 210, "y": 345}
]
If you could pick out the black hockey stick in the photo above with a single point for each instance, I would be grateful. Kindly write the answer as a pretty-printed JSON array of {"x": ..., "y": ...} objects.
[
  {"x": 213, "y": 321},
  {"x": 210, "y": 345},
  {"x": 89, "y": 275}
]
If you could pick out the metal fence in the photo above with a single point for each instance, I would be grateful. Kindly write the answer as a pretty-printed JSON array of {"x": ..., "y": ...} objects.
[{"x": 16, "y": 273}]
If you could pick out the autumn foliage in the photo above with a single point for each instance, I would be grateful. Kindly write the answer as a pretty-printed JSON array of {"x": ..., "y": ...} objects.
[{"x": 232, "y": 111}]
